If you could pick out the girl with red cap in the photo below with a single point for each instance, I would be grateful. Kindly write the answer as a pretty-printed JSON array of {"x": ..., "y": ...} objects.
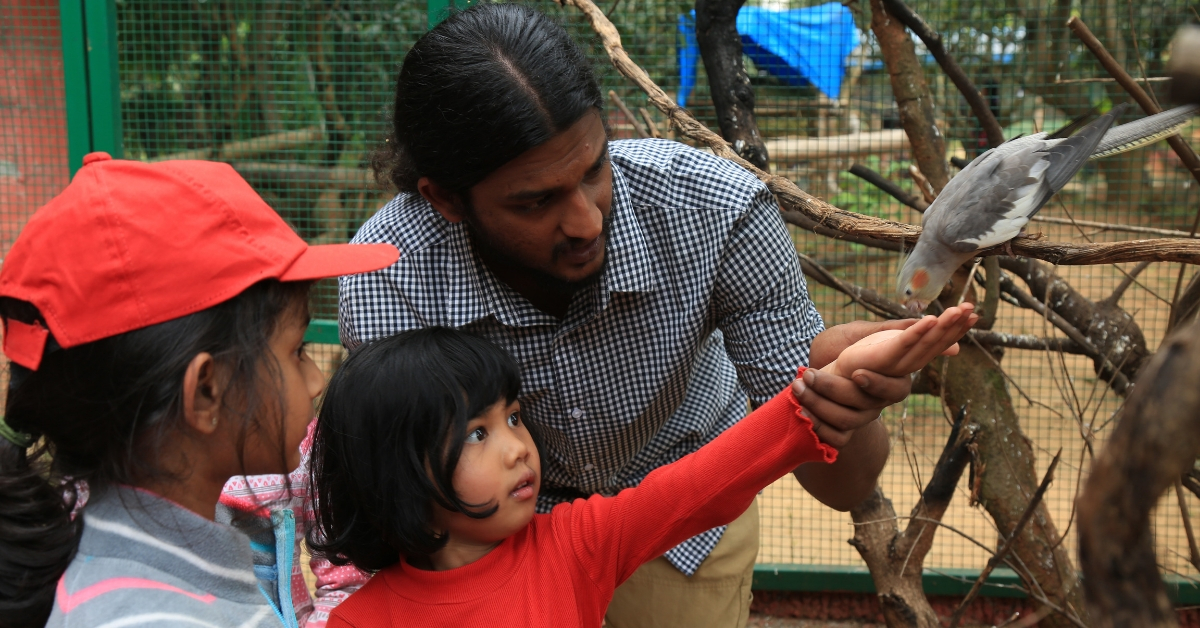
[{"x": 154, "y": 317}]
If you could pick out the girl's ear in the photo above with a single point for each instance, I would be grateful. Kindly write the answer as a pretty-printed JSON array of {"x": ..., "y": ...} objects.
[{"x": 202, "y": 391}]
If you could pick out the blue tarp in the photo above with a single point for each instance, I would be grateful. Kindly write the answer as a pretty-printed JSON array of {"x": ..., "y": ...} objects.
[{"x": 800, "y": 46}]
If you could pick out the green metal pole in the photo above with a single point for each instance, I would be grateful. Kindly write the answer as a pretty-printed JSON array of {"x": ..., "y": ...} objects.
[
  {"x": 75, "y": 82},
  {"x": 104, "y": 88}
]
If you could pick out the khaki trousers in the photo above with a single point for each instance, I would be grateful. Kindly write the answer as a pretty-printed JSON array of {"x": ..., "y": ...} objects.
[{"x": 718, "y": 595}]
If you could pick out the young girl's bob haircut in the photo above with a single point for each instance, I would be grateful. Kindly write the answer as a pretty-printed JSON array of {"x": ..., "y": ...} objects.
[{"x": 388, "y": 439}]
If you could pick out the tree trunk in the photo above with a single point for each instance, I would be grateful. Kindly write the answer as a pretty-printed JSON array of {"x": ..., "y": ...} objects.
[
  {"x": 896, "y": 559},
  {"x": 1007, "y": 480},
  {"x": 912, "y": 95},
  {"x": 733, "y": 98}
]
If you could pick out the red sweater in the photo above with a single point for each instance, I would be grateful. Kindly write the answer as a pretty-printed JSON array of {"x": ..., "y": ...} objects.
[{"x": 562, "y": 569}]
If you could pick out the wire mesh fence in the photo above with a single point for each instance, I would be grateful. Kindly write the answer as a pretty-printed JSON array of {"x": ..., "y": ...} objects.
[{"x": 295, "y": 96}]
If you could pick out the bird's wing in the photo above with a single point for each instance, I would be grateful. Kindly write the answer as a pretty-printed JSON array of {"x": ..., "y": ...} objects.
[
  {"x": 992, "y": 205},
  {"x": 998, "y": 193}
]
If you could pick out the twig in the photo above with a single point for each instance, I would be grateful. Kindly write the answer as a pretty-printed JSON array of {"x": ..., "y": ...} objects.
[
  {"x": 933, "y": 42},
  {"x": 1008, "y": 542},
  {"x": 638, "y": 129},
  {"x": 852, "y": 224},
  {"x": 1193, "y": 550},
  {"x": 1129, "y": 279},
  {"x": 922, "y": 183},
  {"x": 893, "y": 190},
  {"x": 653, "y": 128}
]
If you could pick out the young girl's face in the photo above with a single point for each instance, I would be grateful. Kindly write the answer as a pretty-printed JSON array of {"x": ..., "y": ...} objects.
[
  {"x": 301, "y": 380},
  {"x": 499, "y": 465}
]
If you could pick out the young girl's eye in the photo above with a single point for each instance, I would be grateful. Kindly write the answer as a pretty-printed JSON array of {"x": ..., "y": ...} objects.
[
  {"x": 477, "y": 435},
  {"x": 301, "y": 349},
  {"x": 514, "y": 419}
]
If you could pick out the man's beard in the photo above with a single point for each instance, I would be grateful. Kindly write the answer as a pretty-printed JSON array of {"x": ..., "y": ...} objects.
[{"x": 495, "y": 255}]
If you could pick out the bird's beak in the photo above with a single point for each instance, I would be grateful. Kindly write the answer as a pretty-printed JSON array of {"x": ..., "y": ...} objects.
[{"x": 916, "y": 306}]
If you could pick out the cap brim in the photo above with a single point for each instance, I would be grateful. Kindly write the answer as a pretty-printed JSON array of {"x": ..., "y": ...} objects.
[{"x": 333, "y": 260}]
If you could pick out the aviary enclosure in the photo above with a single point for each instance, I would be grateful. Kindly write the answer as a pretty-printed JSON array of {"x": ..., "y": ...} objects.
[{"x": 1013, "y": 461}]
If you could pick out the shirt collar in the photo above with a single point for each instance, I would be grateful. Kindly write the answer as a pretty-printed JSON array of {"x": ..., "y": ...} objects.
[{"x": 478, "y": 293}]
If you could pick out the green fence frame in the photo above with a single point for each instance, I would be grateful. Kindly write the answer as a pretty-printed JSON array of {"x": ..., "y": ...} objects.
[{"x": 93, "y": 109}]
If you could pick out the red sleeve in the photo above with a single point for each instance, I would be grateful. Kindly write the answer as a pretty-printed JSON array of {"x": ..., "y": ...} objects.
[{"x": 614, "y": 536}]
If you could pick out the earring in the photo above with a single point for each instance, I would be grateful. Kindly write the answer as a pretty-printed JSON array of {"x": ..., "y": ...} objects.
[{"x": 214, "y": 422}]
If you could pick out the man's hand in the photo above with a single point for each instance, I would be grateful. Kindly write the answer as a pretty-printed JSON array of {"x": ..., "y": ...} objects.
[
  {"x": 845, "y": 411},
  {"x": 838, "y": 406}
]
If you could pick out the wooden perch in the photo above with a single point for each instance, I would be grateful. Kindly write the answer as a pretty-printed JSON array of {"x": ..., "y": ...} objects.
[
  {"x": 241, "y": 149},
  {"x": 1157, "y": 439},
  {"x": 854, "y": 225}
]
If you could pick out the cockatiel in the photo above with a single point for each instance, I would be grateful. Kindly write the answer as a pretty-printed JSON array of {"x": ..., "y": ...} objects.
[{"x": 994, "y": 196}]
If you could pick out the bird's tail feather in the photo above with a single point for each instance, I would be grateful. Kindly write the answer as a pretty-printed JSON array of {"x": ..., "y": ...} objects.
[
  {"x": 1136, "y": 134},
  {"x": 1069, "y": 155}
]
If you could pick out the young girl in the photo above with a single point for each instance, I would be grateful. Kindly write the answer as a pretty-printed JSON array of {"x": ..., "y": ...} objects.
[
  {"x": 154, "y": 315},
  {"x": 424, "y": 472}
]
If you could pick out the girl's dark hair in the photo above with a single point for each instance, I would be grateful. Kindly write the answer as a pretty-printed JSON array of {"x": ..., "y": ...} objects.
[
  {"x": 102, "y": 411},
  {"x": 482, "y": 87},
  {"x": 388, "y": 439}
]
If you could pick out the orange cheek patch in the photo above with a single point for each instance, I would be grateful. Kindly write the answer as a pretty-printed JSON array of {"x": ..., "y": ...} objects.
[{"x": 920, "y": 279}]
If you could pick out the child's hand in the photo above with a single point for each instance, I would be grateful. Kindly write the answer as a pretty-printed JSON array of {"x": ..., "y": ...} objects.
[{"x": 899, "y": 352}]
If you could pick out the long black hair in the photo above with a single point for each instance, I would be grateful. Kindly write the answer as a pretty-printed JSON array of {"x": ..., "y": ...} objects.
[
  {"x": 479, "y": 89},
  {"x": 389, "y": 436},
  {"x": 102, "y": 411}
]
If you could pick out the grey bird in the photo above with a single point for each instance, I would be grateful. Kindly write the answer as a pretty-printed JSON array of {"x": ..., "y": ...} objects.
[{"x": 990, "y": 201}]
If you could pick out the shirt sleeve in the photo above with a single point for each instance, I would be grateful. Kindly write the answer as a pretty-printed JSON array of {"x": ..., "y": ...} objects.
[
  {"x": 612, "y": 537},
  {"x": 761, "y": 301}
]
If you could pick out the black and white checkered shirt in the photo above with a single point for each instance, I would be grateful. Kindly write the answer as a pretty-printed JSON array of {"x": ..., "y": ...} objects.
[{"x": 702, "y": 303}]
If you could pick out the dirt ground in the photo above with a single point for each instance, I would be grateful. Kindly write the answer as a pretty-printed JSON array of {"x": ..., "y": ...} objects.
[{"x": 766, "y": 621}]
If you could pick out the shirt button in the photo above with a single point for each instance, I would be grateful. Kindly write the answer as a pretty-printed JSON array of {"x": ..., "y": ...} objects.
[
  {"x": 589, "y": 466},
  {"x": 576, "y": 413}
]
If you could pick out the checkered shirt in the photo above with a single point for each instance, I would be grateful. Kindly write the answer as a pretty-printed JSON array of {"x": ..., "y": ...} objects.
[{"x": 701, "y": 305}]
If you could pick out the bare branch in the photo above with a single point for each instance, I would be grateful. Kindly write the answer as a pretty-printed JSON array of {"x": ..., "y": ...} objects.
[
  {"x": 933, "y": 42},
  {"x": 1125, "y": 283},
  {"x": 1008, "y": 542},
  {"x": 893, "y": 190},
  {"x": 638, "y": 129},
  {"x": 653, "y": 128}
]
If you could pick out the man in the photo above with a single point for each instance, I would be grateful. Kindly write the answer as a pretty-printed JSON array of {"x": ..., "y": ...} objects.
[{"x": 647, "y": 289}]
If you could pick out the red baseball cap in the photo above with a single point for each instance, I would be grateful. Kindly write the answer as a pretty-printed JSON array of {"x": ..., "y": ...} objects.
[{"x": 130, "y": 244}]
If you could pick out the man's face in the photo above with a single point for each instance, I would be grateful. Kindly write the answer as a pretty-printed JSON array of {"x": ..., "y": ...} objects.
[{"x": 546, "y": 211}]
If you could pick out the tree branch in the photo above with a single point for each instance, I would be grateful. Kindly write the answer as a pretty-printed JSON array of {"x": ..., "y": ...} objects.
[
  {"x": 1120, "y": 384},
  {"x": 933, "y": 42},
  {"x": 638, "y": 129},
  {"x": 852, "y": 224},
  {"x": 1008, "y": 542}
]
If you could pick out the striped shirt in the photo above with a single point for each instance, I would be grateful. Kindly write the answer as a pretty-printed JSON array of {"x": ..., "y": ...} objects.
[
  {"x": 701, "y": 306},
  {"x": 144, "y": 560}
]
